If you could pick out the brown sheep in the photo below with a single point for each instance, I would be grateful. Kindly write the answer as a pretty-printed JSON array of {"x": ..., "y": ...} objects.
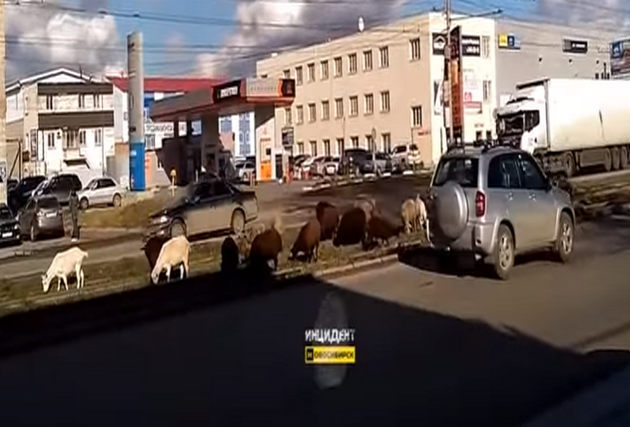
[
  {"x": 328, "y": 218},
  {"x": 307, "y": 241},
  {"x": 352, "y": 228},
  {"x": 229, "y": 255},
  {"x": 266, "y": 247},
  {"x": 382, "y": 230},
  {"x": 245, "y": 239}
]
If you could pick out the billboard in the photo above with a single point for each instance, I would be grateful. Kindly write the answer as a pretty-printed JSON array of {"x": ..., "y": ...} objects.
[
  {"x": 457, "y": 85},
  {"x": 620, "y": 59}
]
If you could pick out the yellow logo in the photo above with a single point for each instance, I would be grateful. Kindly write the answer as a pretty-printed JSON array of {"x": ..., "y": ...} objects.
[{"x": 330, "y": 355}]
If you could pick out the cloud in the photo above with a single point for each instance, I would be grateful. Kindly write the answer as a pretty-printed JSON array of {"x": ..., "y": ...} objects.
[
  {"x": 293, "y": 23},
  {"x": 605, "y": 14},
  {"x": 42, "y": 36}
]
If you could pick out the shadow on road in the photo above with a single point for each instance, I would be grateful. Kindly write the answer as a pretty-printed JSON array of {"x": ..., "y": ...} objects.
[{"x": 230, "y": 351}]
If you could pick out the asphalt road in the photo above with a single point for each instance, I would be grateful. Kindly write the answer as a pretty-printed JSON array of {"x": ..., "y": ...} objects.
[{"x": 433, "y": 349}]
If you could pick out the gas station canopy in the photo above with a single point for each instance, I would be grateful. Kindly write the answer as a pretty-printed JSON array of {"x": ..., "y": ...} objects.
[{"x": 229, "y": 98}]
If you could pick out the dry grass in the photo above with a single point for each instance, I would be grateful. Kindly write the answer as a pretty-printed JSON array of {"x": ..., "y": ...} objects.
[{"x": 132, "y": 215}]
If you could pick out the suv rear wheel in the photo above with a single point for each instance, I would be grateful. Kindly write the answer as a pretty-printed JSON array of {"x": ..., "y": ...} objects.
[
  {"x": 564, "y": 242},
  {"x": 503, "y": 257}
]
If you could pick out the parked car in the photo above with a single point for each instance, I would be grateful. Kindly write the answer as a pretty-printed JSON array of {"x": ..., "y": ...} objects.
[
  {"x": 205, "y": 207},
  {"x": 100, "y": 192},
  {"x": 18, "y": 195},
  {"x": 61, "y": 186},
  {"x": 405, "y": 156},
  {"x": 9, "y": 226},
  {"x": 495, "y": 203},
  {"x": 353, "y": 160},
  {"x": 245, "y": 170},
  {"x": 42, "y": 216},
  {"x": 331, "y": 167},
  {"x": 317, "y": 168},
  {"x": 379, "y": 164}
]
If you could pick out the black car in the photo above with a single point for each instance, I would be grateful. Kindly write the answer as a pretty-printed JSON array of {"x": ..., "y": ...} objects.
[
  {"x": 18, "y": 195},
  {"x": 9, "y": 227},
  {"x": 42, "y": 216},
  {"x": 353, "y": 161},
  {"x": 61, "y": 186}
]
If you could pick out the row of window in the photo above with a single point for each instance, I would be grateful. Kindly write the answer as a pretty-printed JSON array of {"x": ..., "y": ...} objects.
[
  {"x": 340, "y": 145},
  {"x": 97, "y": 101},
  {"x": 74, "y": 139}
]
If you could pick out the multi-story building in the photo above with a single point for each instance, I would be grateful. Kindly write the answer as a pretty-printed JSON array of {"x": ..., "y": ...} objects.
[
  {"x": 238, "y": 131},
  {"x": 383, "y": 87},
  {"x": 59, "y": 120}
]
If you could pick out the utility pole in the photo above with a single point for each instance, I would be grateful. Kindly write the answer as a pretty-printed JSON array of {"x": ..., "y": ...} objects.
[
  {"x": 3, "y": 112},
  {"x": 135, "y": 106},
  {"x": 447, "y": 71}
]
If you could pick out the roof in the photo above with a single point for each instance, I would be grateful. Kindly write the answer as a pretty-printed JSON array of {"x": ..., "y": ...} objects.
[
  {"x": 46, "y": 75},
  {"x": 167, "y": 84}
]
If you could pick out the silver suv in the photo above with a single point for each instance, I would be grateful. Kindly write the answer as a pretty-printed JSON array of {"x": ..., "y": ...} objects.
[{"x": 496, "y": 203}]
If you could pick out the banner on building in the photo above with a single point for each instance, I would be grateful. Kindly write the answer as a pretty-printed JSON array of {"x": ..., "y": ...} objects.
[
  {"x": 471, "y": 46},
  {"x": 473, "y": 92},
  {"x": 456, "y": 83},
  {"x": 509, "y": 42},
  {"x": 620, "y": 59},
  {"x": 33, "y": 145}
]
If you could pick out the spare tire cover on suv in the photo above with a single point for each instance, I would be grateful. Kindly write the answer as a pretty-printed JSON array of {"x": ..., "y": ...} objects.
[{"x": 450, "y": 210}]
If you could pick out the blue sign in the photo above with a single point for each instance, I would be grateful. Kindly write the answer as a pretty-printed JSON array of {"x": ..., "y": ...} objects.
[{"x": 137, "y": 178}]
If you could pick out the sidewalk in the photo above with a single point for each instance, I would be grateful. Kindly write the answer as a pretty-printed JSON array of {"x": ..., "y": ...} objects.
[{"x": 605, "y": 405}]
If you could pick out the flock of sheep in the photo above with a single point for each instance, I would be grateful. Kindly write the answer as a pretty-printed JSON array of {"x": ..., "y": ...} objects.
[{"x": 260, "y": 246}]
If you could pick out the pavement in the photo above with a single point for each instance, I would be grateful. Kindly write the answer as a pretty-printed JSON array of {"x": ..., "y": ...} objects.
[{"x": 433, "y": 349}]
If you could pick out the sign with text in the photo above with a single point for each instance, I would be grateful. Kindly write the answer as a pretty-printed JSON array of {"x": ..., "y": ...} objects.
[
  {"x": 574, "y": 46},
  {"x": 471, "y": 45},
  {"x": 269, "y": 88},
  {"x": 230, "y": 90},
  {"x": 509, "y": 42},
  {"x": 439, "y": 43},
  {"x": 456, "y": 83}
]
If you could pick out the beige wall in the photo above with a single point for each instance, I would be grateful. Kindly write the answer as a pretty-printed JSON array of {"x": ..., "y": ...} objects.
[{"x": 408, "y": 81}]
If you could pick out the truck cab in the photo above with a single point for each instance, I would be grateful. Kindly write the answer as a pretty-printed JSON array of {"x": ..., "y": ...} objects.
[{"x": 521, "y": 123}]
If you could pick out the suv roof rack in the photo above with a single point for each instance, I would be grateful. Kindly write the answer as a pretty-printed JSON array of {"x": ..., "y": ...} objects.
[{"x": 484, "y": 144}]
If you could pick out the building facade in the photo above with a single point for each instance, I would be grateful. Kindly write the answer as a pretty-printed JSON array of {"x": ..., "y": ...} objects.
[
  {"x": 59, "y": 120},
  {"x": 238, "y": 131}
]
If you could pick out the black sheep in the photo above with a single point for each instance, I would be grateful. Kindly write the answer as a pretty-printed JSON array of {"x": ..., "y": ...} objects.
[
  {"x": 328, "y": 218},
  {"x": 229, "y": 255},
  {"x": 266, "y": 247},
  {"x": 307, "y": 241},
  {"x": 381, "y": 230},
  {"x": 352, "y": 228}
]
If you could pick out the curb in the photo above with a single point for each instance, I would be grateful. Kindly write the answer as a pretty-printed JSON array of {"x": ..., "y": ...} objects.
[
  {"x": 365, "y": 178},
  {"x": 595, "y": 407}
]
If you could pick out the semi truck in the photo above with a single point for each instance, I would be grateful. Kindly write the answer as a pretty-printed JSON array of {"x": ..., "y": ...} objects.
[{"x": 569, "y": 125}]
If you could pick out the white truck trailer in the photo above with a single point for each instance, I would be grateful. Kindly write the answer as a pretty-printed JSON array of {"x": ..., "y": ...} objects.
[{"x": 569, "y": 124}]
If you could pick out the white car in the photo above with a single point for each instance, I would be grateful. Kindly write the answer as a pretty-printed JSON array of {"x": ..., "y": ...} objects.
[
  {"x": 245, "y": 170},
  {"x": 405, "y": 156},
  {"x": 100, "y": 192},
  {"x": 331, "y": 166}
]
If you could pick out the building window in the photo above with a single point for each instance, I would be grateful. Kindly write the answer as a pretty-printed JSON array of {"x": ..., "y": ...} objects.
[
  {"x": 149, "y": 141},
  {"x": 354, "y": 106},
  {"x": 50, "y": 138},
  {"x": 312, "y": 112},
  {"x": 323, "y": 70},
  {"x": 385, "y": 102},
  {"x": 82, "y": 101},
  {"x": 97, "y": 101},
  {"x": 338, "y": 108},
  {"x": 325, "y": 110},
  {"x": 354, "y": 141},
  {"x": 368, "y": 63},
  {"x": 310, "y": 72},
  {"x": 50, "y": 102},
  {"x": 414, "y": 49},
  {"x": 478, "y": 135},
  {"x": 82, "y": 138},
  {"x": 288, "y": 118},
  {"x": 485, "y": 46},
  {"x": 352, "y": 63},
  {"x": 286, "y": 74},
  {"x": 299, "y": 77},
  {"x": 386, "y": 141},
  {"x": 98, "y": 138},
  {"x": 338, "y": 67},
  {"x": 416, "y": 116},
  {"x": 487, "y": 90},
  {"x": 326, "y": 147},
  {"x": 313, "y": 148},
  {"x": 300, "y": 146},
  {"x": 300, "y": 114},
  {"x": 369, "y": 104},
  {"x": 369, "y": 142},
  {"x": 341, "y": 146},
  {"x": 384, "y": 57},
  {"x": 489, "y": 135}
]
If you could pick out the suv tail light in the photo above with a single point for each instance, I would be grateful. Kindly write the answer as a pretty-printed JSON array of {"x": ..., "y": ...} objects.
[{"x": 480, "y": 204}]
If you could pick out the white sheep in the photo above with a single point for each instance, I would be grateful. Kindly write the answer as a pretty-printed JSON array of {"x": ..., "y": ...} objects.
[
  {"x": 421, "y": 213},
  {"x": 173, "y": 253},
  {"x": 409, "y": 215},
  {"x": 64, "y": 264}
]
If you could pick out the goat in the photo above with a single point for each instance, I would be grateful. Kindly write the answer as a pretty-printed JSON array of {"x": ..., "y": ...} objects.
[
  {"x": 352, "y": 228},
  {"x": 307, "y": 241},
  {"x": 173, "y": 253},
  {"x": 421, "y": 213},
  {"x": 152, "y": 249},
  {"x": 368, "y": 206},
  {"x": 328, "y": 218},
  {"x": 381, "y": 230},
  {"x": 267, "y": 246},
  {"x": 229, "y": 255},
  {"x": 64, "y": 264},
  {"x": 409, "y": 214}
]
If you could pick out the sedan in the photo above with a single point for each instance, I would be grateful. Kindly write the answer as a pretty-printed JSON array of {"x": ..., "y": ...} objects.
[
  {"x": 100, "y": 192},
  {"x": 9, "y": 227},
  {"x": 41, "y": 216},
  {"x": 208, "y": 206}
]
